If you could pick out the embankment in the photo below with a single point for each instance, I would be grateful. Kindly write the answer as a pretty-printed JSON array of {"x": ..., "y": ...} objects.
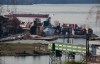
[{"x": 20, "y": 49}]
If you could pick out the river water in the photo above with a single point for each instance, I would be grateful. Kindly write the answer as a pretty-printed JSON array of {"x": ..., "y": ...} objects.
[
  {"x": 24, "y": 60},
  {"x": 64, "y": 13}
]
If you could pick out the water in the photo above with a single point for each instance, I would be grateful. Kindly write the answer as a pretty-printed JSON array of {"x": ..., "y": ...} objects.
[
  {"x": 24, "y": 60},
  {"x": 29, "y": 59},
  {"x": 64, "y": 13}
]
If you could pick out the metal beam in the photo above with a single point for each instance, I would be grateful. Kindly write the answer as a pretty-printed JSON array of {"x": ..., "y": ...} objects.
[{"x": 68, "y": 47}]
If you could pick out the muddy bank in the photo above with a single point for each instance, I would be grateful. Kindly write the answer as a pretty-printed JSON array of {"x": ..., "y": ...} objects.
[{"x": 23, "y": 49}]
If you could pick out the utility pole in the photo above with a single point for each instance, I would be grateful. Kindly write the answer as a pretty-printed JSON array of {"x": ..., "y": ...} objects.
[{"x": 68, "y": 34}]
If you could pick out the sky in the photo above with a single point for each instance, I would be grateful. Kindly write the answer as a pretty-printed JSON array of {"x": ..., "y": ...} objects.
[{"x": 29, "y": 2}]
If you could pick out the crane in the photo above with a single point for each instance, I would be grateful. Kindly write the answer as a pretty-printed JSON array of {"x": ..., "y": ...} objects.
[
  {"x": 98, "y": 16},
  {"x": 98, "y": 20},
  {"x": 13, "y": 7},
  {"x": 93, "y": 18}
]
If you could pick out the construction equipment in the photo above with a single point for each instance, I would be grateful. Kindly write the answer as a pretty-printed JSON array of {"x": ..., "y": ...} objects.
[
  {"x": 13, "y": 8},
  {"x": 93, "y": 18}
]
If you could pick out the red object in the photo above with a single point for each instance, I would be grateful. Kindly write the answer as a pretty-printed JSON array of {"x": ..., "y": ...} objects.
[
  {"x": 76, "y": 25},
  {"x": 28, "y": 15},
  {"x": 64, "y": 25},
  {"x": 73, "y": 26}
]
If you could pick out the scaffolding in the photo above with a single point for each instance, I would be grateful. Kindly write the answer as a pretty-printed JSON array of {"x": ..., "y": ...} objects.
[
  {"x": 53, "y": 59},
  {"x": 55, "y": 55}
]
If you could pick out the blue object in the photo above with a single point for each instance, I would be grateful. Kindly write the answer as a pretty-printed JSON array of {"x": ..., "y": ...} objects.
[{"x": 48, "y": 31}]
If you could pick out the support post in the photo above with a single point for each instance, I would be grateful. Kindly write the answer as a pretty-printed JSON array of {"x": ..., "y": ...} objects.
[
  {"x": 87, "y": 47},
  {"x": 55, "y": 56},
  {"x": 68, "y": 35}
]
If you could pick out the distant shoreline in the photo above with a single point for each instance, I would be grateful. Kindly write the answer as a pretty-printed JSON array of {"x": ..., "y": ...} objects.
[{"x": 56, "y": 4}]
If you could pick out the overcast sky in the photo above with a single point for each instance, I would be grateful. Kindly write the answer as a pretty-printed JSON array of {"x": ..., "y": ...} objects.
[{"x": 49, "y": 1}]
